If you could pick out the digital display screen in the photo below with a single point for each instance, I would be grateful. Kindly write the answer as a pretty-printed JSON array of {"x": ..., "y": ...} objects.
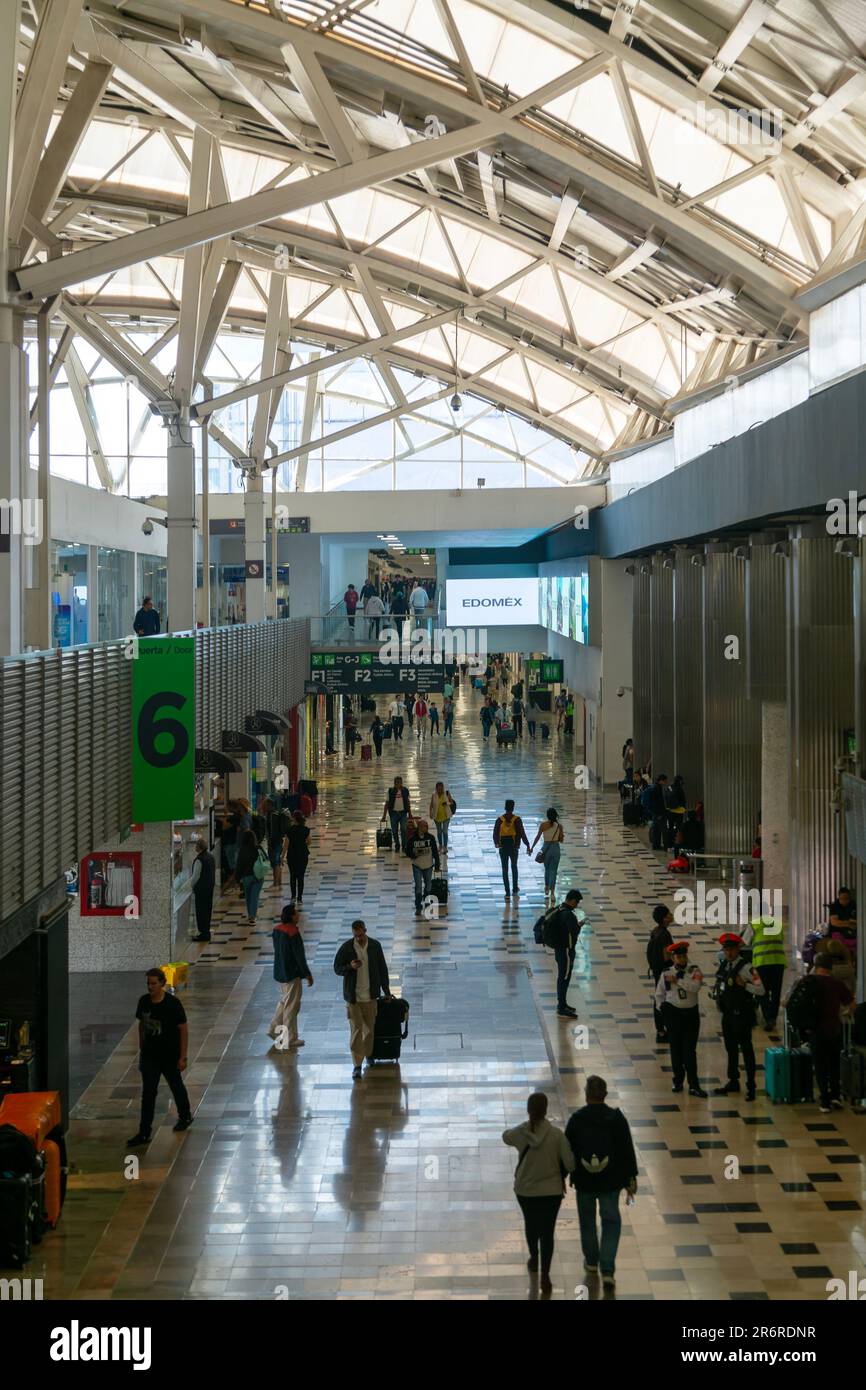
[{"x": 563, "y": 602}]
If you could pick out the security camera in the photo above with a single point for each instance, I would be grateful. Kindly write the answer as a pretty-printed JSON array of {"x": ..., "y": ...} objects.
[
  {"x": 620, "y": 690},
  {"x": 147, "y": 527},
  {"x": 166, "y": 410},
  {"x": 455, "y": 402}
]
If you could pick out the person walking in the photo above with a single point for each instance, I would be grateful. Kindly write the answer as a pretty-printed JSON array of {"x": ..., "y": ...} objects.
[
  {"x": 448, "y": 717},
  {"x": 539, "y": 1182},
  {"x": 559, "y": 704},
  {"x": 163, "y": 1042},
  {"x": 532, "y": 715},
  {"x": 442, "y": 808},
  {"x": 351, "y": 598},
  {"x": 508, "y": 833},
  {"x": 766, "y": 936},
  {"x": 433, "y": 712},
  {"x": 377, "y": 733},
  {"x": 290, "y": 971},
  {"x": 552, "y": 833},
  {"x": 737, "y": 986},
  {"x": 561, "y": 930},
  {"x": 374, "y": 611},
  {"x": 397, "y": 711},
  {"x": 297, "y": 853},
  {"x": 657, "y": 958},
  {"x": 203, "y": 880},
  {"x": 409, "y": 701},
  {"x": 487, "y": 717},
  {"x": 833, "y": 999},
  {"x": 146, "y": 621},
  {"x": 448, "y": 688},
  {"x": 397, "y": 809},
  {"x": 628, "y": 761},
  {"x": 361, "y": 963},
  {"x": 517, "y": 715},
  {"x": 420, "y": 713},
  {"x": 271, "y": 821},
  {"x": 250, "y": 872},
  {"x": 605, "y": 1163},
  {"x": 677, "y": 999},
  {"x": 424, "y": 854},
  {"x": 350, "y": 734},
  {"x": 418, "y": 601}
]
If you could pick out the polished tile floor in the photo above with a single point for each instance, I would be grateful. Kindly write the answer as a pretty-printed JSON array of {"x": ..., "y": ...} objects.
[{"x": 296, "y": 1182}]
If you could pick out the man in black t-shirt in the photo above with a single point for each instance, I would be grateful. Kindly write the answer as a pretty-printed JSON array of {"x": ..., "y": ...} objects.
[{"x": 162, "y": 1038}]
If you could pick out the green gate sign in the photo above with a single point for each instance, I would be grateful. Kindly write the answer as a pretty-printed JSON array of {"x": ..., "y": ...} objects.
[{"x": 163, "y": 729}]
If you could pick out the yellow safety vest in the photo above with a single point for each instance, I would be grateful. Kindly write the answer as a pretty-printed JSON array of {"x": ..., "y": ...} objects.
[{"x": 768, "y": 942}]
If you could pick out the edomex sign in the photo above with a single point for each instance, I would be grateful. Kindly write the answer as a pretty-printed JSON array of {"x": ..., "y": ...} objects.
[{"x": 163, "y": 729}]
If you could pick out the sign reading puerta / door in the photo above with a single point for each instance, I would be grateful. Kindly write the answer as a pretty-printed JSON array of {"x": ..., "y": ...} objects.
[{"x": 163, "y": 729}]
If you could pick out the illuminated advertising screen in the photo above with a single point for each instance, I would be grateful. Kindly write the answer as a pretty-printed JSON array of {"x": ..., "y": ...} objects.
[
  {"x": 563, "y": 602},
  {"x": 491, "y": 602}
]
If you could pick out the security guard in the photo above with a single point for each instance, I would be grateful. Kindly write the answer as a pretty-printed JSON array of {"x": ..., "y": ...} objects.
[
  {"x": 737, "y": 987},
  {"x": 768, "y": 957},
  {"x": 677, "y": 999}
]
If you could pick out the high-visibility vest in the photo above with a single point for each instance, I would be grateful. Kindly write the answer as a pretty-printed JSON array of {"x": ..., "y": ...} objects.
[{"x": 768, "y": 942}]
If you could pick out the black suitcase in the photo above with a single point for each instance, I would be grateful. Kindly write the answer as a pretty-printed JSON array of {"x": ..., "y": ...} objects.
[
  {"x": 852, "y": 1071},
  {"x": 545, "y": 732},
  {"x": 384, "y": 838},
  {"x": 391, "y": 1030},
  {"x": 506, "y": 735},
  {"x": 631, "y": 814},
  {"x": 21, "y": 1206},
  {"x": 308, "y": 787},
  {"x": 439, "y": 889}
]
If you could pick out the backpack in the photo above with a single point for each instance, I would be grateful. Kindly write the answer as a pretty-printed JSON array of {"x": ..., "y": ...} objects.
[
  {"x": 547, "y": 930},
  {"x": 538, "y": 931},
  {"x": 593, "y": 1147},
  {"x": 801, "y": 1006},
  {"x": 260, "y": 868}
]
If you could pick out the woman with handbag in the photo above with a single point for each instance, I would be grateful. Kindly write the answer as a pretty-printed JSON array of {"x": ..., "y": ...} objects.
[
  {"x": 539, "y": 1181},
  {"x": 442, "y": 808},
  {"x": 250, "y": 870},
  {"x": 553, "y": 835}
]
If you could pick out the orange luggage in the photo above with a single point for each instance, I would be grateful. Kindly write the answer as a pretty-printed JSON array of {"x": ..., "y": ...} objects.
[
  {"x": 37, "y": 1114},
  {"x": 53, "y": 1183}
]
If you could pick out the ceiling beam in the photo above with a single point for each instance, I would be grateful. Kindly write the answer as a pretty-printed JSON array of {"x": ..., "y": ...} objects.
[
  {"x": 311, "y": 401},
  {"x": 191, "y": 309},
  {"x": 738, "y": 40},
  {"x": 80, "y": 390}
]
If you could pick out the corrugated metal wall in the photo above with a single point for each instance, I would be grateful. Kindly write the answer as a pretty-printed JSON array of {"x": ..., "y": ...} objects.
[
  {"x": 732, "y": 722},
  {"x": 820, "y": 709},
  {"x": 65, "y": 750},
  {"x": 688, "y": 676},
  {"x": 766, "y": 649},
  {"x": 662, "y": 711},
  {"x": 642, "y": 662}
]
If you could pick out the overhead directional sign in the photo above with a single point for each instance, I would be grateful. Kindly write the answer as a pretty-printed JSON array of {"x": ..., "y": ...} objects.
[{"x": 363, "y": 673}]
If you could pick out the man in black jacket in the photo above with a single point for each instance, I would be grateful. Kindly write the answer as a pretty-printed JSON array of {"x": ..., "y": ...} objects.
[
  {"x": 657, "y": 959},
  {"x": 561, "y": 932},
  {"x": 600, "y": 1139},
  {"x": 361, "y": 962}
]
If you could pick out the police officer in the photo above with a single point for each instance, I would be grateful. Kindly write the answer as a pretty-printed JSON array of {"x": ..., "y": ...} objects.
[
  {"x": 767, "y": 940},
  {"x": 737, "y": 987},
  {"x": 677, "y": 999}
]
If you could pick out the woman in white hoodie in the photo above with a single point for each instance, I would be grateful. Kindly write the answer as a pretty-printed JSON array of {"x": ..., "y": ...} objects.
[{"x": 539, "y": 1181}]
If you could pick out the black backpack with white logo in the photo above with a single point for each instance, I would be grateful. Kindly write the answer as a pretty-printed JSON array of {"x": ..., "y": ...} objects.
[{"x": 593, "y": 1151}]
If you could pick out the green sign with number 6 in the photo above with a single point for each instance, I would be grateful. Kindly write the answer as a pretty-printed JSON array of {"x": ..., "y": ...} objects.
[{"x": 163, "y": 729}]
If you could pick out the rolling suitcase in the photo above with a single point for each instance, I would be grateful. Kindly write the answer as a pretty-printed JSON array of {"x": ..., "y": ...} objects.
[
  {"x": 384, "y": 837},
  {"x": 852, "y": 1069},
  {"x": 18, "y": 1204},
  {"x": 366, "y": 752},
  {"x": 631, "y": 813},
  {"x": 506, "y": 735},
  {"x": 439, "y": 890},
  {"x": 36, "y": 1114},
  {"x": 545, "y": 732},
  {"x": 788, "y": 1072},
  {"x": 391, "y": 1030}
]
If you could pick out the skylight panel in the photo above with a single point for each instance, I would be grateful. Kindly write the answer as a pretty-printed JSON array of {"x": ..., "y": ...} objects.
[
  {"x": 537, "y": 294},
  {"x": 484, "y": 259}
]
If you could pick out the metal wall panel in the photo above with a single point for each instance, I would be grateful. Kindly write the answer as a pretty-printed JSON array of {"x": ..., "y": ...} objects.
[
  {"x": 688, "y": 676},
  {"x": 65, "y": 738},
  {"x": 732, "y": 722},
  {"x": 766, "y": 646},
  {"x": 662, "y": 679},
  {"x": 821, "y": 707},
  {"x": 642, "y": 653}
]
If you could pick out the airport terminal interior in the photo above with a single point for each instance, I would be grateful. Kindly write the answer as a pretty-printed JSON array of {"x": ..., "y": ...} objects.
[{"x": 432, "y": 650}]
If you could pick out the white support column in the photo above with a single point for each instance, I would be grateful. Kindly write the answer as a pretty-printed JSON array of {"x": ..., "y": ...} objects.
[
  {"x": 274, "y": 605},
  {"x": 92, "y": 593},
  {"x": 13, "y": 511},
  {"x": 254, "y": 548},
  {"x": 203, "y": 594},
  {"x": 181, "y": 526}
]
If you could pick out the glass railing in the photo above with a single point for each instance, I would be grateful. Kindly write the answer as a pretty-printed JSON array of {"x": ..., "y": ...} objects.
[{"x": 337, "y": 629}]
